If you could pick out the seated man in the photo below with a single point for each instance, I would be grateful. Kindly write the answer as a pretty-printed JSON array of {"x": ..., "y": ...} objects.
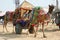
[{"x": 22, "y": 21}]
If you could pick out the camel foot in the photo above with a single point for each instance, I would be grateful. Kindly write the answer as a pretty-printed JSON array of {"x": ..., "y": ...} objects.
[
  {"x": 34, "y": 35},
  {"x": 44, "y": 36}
]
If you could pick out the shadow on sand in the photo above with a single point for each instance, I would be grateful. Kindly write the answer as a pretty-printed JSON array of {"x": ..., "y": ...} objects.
[
  {"x": 7, "y": 36},
  {"x": 47, "y": 30}
]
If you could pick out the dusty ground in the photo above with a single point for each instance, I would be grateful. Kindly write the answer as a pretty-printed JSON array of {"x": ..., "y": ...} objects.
[{"x": 51, "y": 31}]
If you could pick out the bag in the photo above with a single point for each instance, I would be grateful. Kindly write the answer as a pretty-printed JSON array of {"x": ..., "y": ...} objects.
[{"x": 31, "y": 30}]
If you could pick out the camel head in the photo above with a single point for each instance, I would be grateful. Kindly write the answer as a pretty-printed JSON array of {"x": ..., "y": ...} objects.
[{"x": 51, "y": 7}]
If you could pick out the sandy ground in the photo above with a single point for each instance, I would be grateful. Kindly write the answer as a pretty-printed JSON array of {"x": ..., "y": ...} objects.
[{"x": 51, "y": 31}]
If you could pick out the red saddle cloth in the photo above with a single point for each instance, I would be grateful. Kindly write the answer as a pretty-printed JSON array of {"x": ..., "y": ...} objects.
[{"x": 33, "y": 25}]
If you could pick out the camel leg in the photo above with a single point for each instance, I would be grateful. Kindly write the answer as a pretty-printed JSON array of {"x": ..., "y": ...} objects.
[
  {"x": 13, "y": 22},
  {"x": 43, "y": 30},
  {"x": 28, "y": 29},
  {"x": 47, "y": 22},
  {"x": 35, "y": 31},
  {"x": 4, "y": 26},
  {"x": 13, "y": 29}
]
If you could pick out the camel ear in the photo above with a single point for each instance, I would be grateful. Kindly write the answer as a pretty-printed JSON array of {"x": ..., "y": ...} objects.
[{"x": 49, "y": 5}]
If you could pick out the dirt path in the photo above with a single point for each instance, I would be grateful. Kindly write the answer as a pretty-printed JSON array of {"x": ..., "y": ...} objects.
[{"x": 51, "y": 31}]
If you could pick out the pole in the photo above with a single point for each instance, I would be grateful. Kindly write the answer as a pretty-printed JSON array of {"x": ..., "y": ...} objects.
[
  {"x": 56, "y": 4},
  {"x": 17, "y": 3}
]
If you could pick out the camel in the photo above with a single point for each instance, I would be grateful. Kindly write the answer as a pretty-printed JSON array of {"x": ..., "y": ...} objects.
[
  {"x": 6, "y": 19},
  {"x": 42, "y": 18}
]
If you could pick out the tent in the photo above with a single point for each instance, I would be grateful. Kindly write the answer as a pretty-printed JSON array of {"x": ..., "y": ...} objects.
[{"x": 2, "y": 13}]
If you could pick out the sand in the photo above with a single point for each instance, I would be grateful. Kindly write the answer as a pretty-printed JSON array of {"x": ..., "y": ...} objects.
[{"x": 51, "y": 32}]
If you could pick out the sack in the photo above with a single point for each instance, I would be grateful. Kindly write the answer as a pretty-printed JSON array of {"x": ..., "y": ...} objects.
[
  {"x": 31, "y": 30},
  {"x": 23, "y": 23}
]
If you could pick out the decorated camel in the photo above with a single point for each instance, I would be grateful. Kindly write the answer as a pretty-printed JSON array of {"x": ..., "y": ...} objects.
[{"x": 41, "y": 17}]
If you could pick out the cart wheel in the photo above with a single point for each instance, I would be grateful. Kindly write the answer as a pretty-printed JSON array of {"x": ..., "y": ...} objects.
[{"x": 18, "y": 29}]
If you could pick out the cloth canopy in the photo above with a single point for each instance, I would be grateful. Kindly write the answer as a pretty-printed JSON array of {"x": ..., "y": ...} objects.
[{"x": 2, "y": 14}]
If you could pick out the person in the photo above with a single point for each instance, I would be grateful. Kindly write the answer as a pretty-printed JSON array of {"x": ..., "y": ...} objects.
[
  {"x": 57, "y": 20},
  {"x": 16, "y": 16}
]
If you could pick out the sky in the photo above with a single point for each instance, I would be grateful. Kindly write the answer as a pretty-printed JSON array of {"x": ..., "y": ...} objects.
[{"x": 9, "y": 5}]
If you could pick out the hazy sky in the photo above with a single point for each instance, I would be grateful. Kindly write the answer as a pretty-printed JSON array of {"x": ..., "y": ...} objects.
[{"x": 7, "y": 5}]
